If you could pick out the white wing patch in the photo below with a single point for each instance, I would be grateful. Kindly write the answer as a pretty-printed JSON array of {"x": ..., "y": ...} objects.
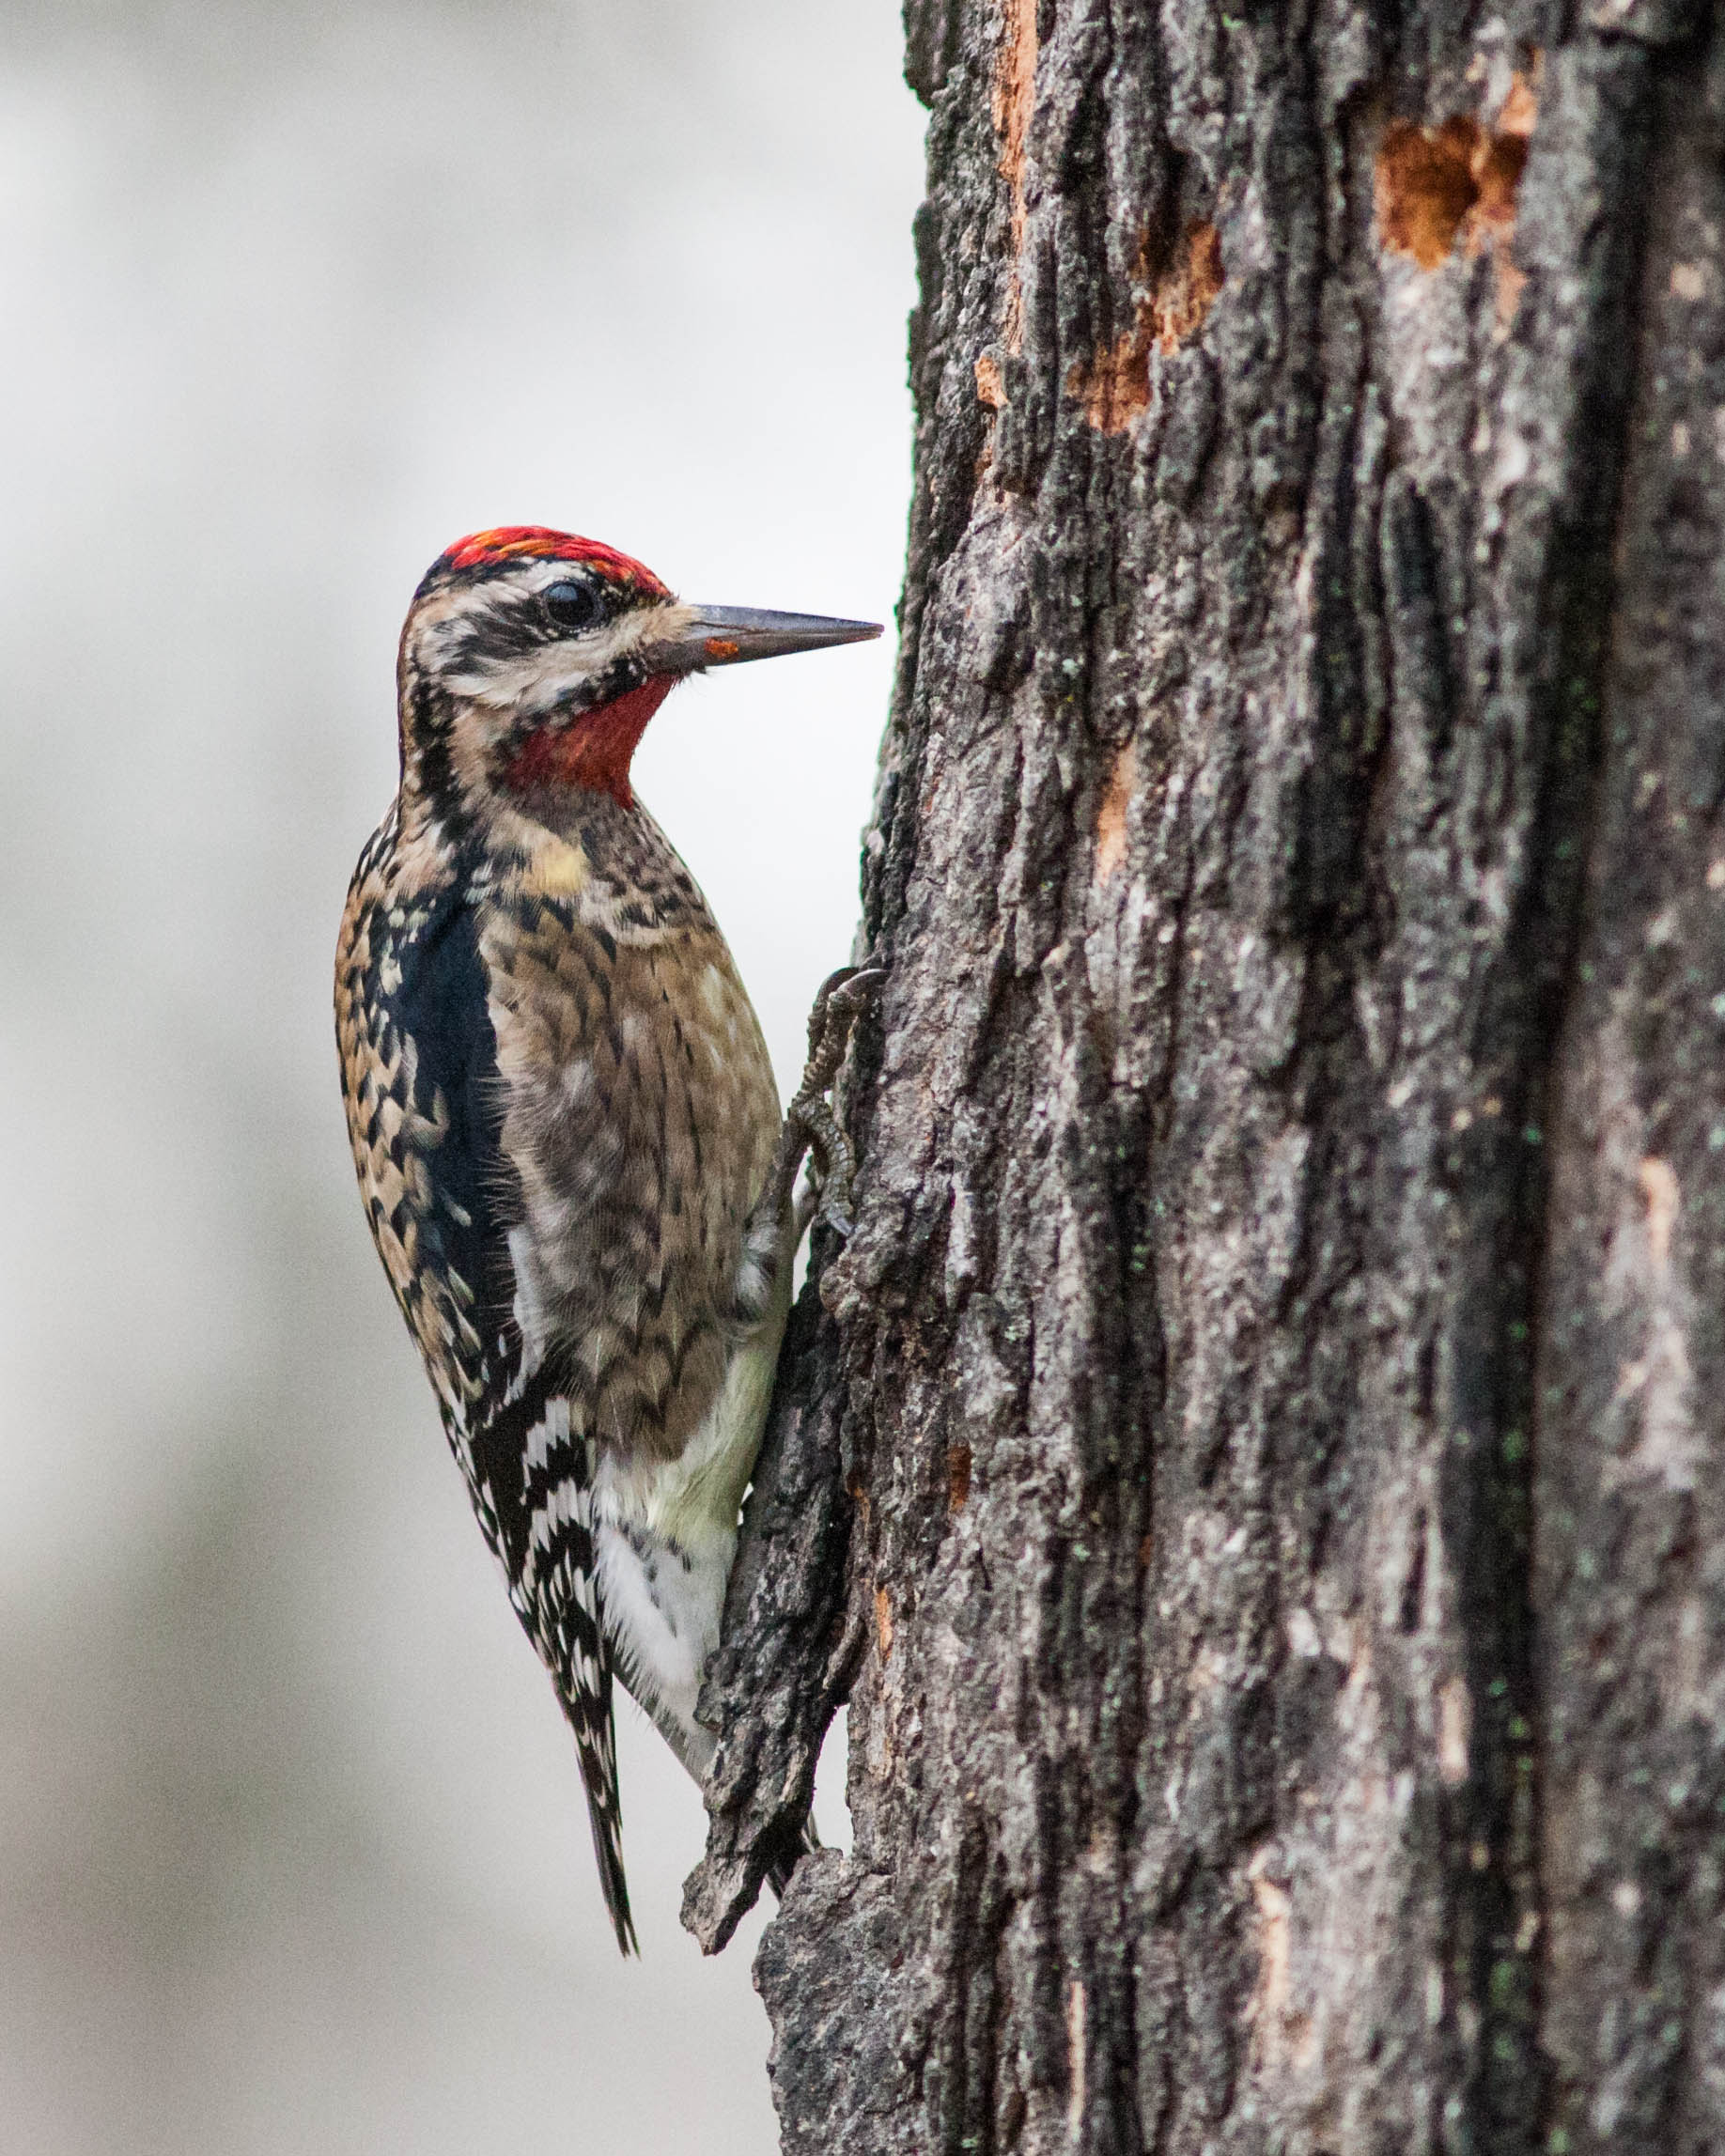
[{"x": 530, "y": 1319}]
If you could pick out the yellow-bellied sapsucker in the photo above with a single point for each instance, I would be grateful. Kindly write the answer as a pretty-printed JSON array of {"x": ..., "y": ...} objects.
[{"x": 564, "y": 1123}]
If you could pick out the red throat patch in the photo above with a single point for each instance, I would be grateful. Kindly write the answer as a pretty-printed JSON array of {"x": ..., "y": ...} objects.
[{"x": 596, "y": 750}]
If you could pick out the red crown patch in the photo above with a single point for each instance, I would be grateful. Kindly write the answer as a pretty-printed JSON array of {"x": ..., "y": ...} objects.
[{"x": 539, "y": 542}]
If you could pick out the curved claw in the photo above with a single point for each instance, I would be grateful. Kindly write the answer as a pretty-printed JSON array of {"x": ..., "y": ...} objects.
[
  {"x": 834, "y": 1161},
  {"x": 810, "y": 1124},
  {"x": 837, "y": 1002}
]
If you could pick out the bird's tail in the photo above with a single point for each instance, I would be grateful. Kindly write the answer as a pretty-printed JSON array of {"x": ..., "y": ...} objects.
[
  {"x": 608, "y": 1851},
  {"x": 595, "y": 1743}
]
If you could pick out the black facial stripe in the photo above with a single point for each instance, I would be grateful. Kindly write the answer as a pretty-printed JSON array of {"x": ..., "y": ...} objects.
[
  {"x": 506, "y": 627},
  {"x": 514, "y": 624},
  {"x": 624, "y": 674},
  {"x": 429, "y": 720}
]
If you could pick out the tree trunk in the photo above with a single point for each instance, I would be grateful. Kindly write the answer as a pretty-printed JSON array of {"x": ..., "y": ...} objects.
[{"x": 1256, "y": 1465}]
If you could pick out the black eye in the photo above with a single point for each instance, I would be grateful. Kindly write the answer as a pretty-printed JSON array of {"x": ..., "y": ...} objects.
[{"x": 572, "y": 605}]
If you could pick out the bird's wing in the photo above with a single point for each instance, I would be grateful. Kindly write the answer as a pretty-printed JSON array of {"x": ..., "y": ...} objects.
[
  {"x": 426, "y": 1111},
  {"x": 419, "y": 1065}
]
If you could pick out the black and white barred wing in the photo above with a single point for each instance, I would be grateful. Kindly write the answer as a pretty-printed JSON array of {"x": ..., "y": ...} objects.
[{"x": 425, "y": 1111}]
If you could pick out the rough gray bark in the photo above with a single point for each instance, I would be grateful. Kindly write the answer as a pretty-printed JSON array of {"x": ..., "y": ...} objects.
[{"x": 1270, "y": 1409}]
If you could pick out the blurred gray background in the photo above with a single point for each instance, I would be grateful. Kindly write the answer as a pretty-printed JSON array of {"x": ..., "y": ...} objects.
[{"x": 292, "y": 1848}]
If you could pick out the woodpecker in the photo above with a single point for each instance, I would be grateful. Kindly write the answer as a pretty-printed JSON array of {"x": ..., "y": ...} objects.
[{"x": 564, "y": 1123}]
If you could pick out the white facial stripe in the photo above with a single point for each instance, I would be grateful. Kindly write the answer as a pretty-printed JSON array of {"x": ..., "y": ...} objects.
[{"x": 534, "y": 682}]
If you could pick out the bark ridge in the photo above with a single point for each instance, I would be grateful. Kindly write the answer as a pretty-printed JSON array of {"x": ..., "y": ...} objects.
[{"x": 1256, "y": 1461}]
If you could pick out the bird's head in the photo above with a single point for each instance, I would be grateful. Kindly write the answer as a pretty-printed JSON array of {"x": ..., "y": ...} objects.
[{"x": 532, "y": 659}]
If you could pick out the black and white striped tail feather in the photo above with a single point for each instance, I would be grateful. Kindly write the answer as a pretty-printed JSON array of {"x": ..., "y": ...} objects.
[
  {"x": 579, "y": 1660},
  {"x": 536, "y": 1470},
  {"x": 595, "y": 1747},
  {"x": 530, "y": 1475}
]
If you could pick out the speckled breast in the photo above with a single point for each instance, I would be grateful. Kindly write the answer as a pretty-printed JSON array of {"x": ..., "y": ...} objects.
[{"x": 639, "y": 1120}]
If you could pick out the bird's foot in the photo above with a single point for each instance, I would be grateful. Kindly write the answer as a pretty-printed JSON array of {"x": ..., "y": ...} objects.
[{"x": 810, "y": 1126}]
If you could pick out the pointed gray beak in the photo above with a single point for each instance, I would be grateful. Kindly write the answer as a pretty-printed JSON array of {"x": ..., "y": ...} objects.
[{"x": 726, "y": 635}]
